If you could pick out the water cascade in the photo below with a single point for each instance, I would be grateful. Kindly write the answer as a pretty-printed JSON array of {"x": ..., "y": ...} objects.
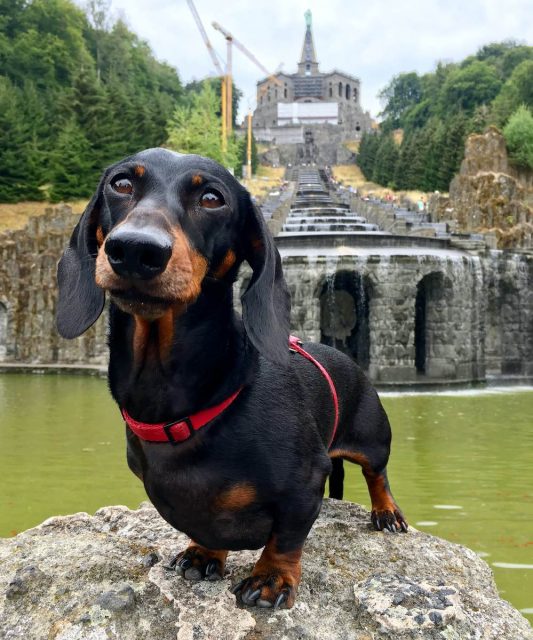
[{"x": 410, "y": 309}]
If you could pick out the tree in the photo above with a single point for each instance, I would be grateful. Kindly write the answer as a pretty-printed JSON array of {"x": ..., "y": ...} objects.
[
  {"x": 517, "y": 90},
  {"x": 386, "y": 160},
  {"x": 196, "y": 128},
  {"x": 457, "y": 129},
  {"x": 403, "y": 92},
  {"x": 19, "y": 158},
  {"x": 366, "y": 158},
  {"x": 466, "y": 88},
  {"x": 71, "y": 172},
  {"x": 519, "y": 137}
]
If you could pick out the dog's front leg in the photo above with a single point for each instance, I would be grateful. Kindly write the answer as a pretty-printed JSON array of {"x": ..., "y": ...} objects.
[
  {"x": 275, "y": 578},
  {"x": 277, "y": 574},
  {"x": 197, "y": 563}
]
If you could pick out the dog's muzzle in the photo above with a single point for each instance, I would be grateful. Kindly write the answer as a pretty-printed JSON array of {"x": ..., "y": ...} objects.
[{"x": 138, "y": 254}]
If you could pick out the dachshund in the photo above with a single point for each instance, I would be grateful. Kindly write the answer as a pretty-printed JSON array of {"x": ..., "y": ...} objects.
[{"x": 232, "y": 429}]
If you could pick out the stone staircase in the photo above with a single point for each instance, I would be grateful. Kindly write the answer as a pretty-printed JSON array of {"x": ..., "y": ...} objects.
[{"x": 314, "y": 209}]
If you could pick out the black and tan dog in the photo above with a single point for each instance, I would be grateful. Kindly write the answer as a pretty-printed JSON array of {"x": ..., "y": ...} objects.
[{"x": 164, "y": 235}]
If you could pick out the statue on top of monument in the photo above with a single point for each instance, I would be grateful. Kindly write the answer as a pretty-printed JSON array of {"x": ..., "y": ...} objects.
[{"x": 308, "y": 18}]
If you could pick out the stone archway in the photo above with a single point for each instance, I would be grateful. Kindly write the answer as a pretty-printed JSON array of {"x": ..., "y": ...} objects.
[
  {"x": 344, "y": 315},
  {"x": 433, "y": 295}
]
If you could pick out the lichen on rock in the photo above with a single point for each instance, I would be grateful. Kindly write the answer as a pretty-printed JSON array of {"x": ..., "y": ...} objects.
[{"x": 104, "y": 577}]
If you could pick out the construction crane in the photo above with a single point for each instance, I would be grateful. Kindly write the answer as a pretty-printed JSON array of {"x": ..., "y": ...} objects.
[
  {"x": 205, "y": 38},
  {"x": 230, "y": 40},
  {"x": 224, "y": 82}
]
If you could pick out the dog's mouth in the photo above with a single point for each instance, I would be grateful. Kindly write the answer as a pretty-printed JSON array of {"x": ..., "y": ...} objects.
[{"x": 141, "y": 304}]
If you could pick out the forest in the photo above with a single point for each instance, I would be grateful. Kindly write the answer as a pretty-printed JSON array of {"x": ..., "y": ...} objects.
[
  {"x": 78, "y": 92},
  {"x": 426, "y": 118}
]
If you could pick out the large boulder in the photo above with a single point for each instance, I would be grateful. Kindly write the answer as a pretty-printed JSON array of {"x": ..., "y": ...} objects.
[
  {"x": 103, "y": 577},
  {"x": 489, "y": 195}
]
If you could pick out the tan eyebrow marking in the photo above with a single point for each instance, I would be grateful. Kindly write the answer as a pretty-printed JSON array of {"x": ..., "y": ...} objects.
[
  {"x": 197, "y": 180},
  {"x": 139, "y": 171}
]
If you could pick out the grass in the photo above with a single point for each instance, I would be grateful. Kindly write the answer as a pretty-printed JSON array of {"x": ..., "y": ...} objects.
[
  {"x": 352, "y": 145},
  {"x": 351, "y": 175},
  {"x": 16, "y": 216},
  {"x": 266, "y": 179}
]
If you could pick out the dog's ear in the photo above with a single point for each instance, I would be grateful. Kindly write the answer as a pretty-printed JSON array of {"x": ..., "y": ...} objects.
[
  {"x": 266, "y": 302},
  {"x": 80, "y": 300}
]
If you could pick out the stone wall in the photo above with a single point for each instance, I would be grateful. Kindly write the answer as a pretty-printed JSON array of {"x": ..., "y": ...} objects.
[
  {"x": 322, "y": 144},
  {"x": 478, "y": 307},
  {"x": 478, "y": 310},
  {"x": 28, "y": 295}
]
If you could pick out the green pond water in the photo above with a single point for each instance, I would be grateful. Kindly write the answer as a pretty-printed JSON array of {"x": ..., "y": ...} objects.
[{"x": 461, "y": 465}]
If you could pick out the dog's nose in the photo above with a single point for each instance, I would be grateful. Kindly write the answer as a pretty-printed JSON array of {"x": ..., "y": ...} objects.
[{"x": 138, "y": 254}]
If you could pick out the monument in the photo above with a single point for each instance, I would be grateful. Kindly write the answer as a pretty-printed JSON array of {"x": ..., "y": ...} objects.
[{"x": 309, "y": 114}]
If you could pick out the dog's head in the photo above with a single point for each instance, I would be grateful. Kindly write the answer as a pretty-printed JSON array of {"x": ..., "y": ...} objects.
[{"x": 159, "y": 224}]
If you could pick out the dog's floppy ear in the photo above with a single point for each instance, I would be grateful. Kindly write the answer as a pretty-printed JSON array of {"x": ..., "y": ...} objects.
[
  {"x": 266, "y": 302},
  {"x": 80, "y": 301}
]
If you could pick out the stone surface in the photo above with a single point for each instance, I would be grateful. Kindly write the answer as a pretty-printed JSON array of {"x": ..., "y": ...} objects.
[
  {"x": 28, "y": 295},
  {"x": 489, "y": 194},
  {"x": 93, "y": 578},
  {"x": 481, "y": 324}
]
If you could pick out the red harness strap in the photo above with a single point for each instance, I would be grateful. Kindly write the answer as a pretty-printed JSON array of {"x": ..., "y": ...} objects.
[
  {"x": 296, "y": 345},
  {"x": 183, "y": 429}
]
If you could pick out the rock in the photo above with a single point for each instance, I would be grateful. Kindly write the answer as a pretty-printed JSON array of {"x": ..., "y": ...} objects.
[
  {"x": 489, "y": 195},
  {"x": 93, "y": 578}
]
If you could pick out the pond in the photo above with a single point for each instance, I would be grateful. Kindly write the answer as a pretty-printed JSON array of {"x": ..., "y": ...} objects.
[{"x": 461, "y": 466}]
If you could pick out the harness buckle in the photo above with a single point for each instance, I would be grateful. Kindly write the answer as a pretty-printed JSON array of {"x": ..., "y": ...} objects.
[{"x": 182, "y": 422}]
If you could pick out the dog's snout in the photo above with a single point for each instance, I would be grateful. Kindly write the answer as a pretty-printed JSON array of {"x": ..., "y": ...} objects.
[{"x": 140, "y": 254}]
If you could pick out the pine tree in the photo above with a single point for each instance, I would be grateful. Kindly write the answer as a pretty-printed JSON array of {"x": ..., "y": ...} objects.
[
  {"x": 19, "y": 158},
  {"x": 72, "y": 167},
  {"x": 386, "y": 160}
]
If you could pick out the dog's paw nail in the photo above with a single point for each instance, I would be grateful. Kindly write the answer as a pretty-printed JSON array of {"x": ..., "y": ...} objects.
[
  {"x": 265, "y": 604},
  {"x": 281, "y": 599},
  {"x": 238, "y": 587},
  {"x": 184, "y": 564},
  {"x": 249, "y": 597},
  {"x": 192, "y": 574}
]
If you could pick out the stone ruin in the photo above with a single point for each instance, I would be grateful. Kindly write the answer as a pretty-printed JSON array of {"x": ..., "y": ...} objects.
[
  {"x": 409, "y": 309},
  {"x": 489, "y": 195}
]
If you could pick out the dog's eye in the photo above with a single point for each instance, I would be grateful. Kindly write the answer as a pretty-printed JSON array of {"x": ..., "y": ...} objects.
[
  {"x": 122, "y": 185},
  {"x": 212, "y": 200}
]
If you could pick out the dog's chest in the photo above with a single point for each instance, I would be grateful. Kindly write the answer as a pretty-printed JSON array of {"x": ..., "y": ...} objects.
[{"x": 202, "y": 500}]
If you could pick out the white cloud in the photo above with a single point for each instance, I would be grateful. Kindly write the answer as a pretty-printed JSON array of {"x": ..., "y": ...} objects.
[{"x": 373, "y": 41}]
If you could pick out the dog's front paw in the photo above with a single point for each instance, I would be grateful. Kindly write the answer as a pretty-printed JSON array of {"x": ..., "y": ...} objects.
[
  {"x": 392, "y": 521},
  {"x": 267, "y": 590},
  {"x": 197, "y": 563}
]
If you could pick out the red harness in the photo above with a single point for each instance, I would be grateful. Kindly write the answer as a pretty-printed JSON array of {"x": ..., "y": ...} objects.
[{"x": 184, "y": 428}]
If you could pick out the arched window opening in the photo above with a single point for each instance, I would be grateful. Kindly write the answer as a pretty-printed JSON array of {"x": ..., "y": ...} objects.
[{"x": 344, "y": 312}]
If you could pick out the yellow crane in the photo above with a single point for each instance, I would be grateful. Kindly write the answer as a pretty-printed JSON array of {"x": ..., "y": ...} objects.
[
  {"x": 231, "y": 40},
  {"x": 225, "y": 78}
]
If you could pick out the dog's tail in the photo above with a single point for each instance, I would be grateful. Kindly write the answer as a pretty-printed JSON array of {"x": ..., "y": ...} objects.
[{"x": 336, "y": 479}]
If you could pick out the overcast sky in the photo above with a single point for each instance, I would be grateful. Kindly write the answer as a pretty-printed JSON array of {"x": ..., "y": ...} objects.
[{"x": 373, "y": 40}]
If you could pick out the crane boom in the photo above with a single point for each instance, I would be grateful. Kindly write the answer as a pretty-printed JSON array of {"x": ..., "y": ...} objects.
[
  {"x": 205, "y": 37},
  {"x": 247, "y": 53}
]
